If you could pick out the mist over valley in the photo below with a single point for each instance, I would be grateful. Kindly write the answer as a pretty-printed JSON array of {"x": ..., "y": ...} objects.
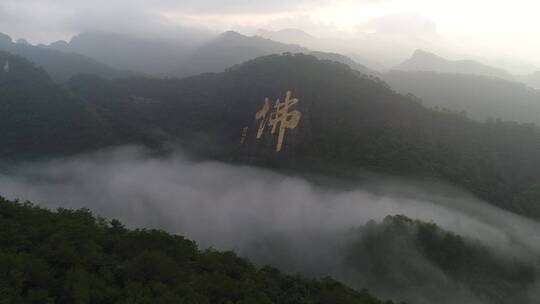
[{"x": 367, "y": 152}]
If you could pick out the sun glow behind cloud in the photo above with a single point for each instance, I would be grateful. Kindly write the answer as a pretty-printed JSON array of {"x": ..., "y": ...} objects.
[{"x": 497, "y": 28}]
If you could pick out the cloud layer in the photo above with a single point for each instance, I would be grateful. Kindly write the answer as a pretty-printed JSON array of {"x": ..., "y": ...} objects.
[
  {"x": 49, "y": 20},
  {"x": 296, "y": 223}
]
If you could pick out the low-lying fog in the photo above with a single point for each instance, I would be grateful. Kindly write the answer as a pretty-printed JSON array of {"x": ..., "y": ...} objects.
[{"x": 289, "y": 222}]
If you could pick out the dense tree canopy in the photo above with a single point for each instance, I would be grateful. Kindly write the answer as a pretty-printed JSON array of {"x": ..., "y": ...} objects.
[
  {"x": 419, "y": 260},
  {"x": 38, "y": 118},
  {"x": 71, "y": 256}
]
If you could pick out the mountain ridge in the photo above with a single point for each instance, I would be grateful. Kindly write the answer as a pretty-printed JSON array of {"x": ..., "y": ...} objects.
[
  {"x": 231, "y": 48},
  {"x": 60, "y": 65},
  {"x": 426, "y": 61},
  {"x": 481, "y": 97},
  {"x": 146, "y": 55}
]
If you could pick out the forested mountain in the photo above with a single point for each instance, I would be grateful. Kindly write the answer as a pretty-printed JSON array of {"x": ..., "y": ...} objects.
[
  {"x": 480, "y": 97},
  {"x": 415, "y": 261},
  {"x": 355, "y": 122},
  {"x": 151, "y": 56},
  {"x": 269, "y": 152},
  {"x": 401, "y": 256},
  {"x": 60, "y": 65},
  {"x": 39, "y": 117},
  {"x": 292, "y": 113},
  {"x": 425, "y": 61},
  {"x": 70, "y": 256}
]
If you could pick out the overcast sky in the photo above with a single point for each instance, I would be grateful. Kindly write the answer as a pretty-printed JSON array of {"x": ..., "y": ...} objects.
[{"x": 505, "y": 28}]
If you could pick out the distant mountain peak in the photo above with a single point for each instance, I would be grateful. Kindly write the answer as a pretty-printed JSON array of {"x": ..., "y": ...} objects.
[
  {"x": 232, "y": 37},
  {"x": 231, "y": 34},
  {"x": 425, "y": 54},
  {"x": 58, "y": 64},
  {"x": 422, "y": 60},
  {"x": 287, "y": 35},
  {"x": 59, "y": 43}
]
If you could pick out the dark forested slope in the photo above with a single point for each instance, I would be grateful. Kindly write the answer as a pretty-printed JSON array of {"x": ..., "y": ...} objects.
[
  {"x": 73, "y": 257},
  {"x": 422, "y": 263},
  {"x": 40, "y": 118}
]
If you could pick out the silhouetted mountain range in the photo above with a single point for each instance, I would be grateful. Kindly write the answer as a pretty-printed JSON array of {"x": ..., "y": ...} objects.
[
  {"x": 232, "y": 48},
  {"x": 290, "y": 35},
  {"x": 153, "y": 56},
  {"x": 159, "y": 57},
  {"x": 60, "y": 65},
  {"x": 481, "y": 97},
  {"x": 425, "y": 61}
]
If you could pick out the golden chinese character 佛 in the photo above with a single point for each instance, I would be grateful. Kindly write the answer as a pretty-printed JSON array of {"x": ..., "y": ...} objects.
[{"x": 281, "y": 119}]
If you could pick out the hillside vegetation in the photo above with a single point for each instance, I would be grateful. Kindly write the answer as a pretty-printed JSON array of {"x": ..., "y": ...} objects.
[{"x": 71, "y": 256}]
